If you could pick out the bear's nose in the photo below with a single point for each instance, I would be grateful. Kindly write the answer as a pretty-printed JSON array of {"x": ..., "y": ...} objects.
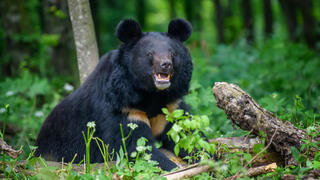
[{"x": 166, "y": 64}]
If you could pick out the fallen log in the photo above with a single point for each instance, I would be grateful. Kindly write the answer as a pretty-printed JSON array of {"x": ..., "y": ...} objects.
[
  {"x": 243, "y": 111},
  {"x": 196, "y": 169},
  {"x": 251, "y": 172},
  {"x": 187, "y": 172},
  {"x": 261, "y": 170}
]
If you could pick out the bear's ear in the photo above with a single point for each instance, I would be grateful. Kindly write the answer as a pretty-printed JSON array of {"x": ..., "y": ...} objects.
[
  {"x": 180, "y": 29},
  {"x": 128, "y": 29}
]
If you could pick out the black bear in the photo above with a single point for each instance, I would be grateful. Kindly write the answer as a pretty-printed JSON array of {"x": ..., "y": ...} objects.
[{"x": 150, "y": 71}]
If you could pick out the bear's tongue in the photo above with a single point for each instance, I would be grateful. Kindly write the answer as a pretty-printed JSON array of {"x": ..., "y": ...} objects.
[
  {"x": 162, "y": 81},
  {"x": 165, "y": 77}
]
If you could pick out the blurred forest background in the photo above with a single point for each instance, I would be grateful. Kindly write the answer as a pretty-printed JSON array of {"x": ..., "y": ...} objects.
[{"x": 268, "y": 47}]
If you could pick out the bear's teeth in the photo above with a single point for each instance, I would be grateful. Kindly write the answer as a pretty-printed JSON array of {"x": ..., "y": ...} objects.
[{"x": 163, "y": 76}]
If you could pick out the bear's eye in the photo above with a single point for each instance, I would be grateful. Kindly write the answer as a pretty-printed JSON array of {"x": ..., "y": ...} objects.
[
  {"x": 173, "y": 54},
  {"x": 150, "y": 54}
]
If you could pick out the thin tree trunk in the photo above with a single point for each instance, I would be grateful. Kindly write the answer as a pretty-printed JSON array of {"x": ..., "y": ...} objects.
[
  {"x": 219, "y": 20},
  {"x": 188, "y": 10},
  {"x": 172, "y": 6},
  {"x": 289, "y": 9},
  {"x": 193, "y": 10},
  {"x": 247, "y": 20},
  {"x": 84, "y": 37},
  {"x": 94, "y": 5},
  {"x": 141, "y": 12},
  {"x": 268, "y": 18},
  {"x": 308, "y": 22}
]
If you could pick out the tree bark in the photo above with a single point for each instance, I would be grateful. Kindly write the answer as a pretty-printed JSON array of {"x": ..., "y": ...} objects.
[
  {"x": 187, "y": 172},
  {"x": 219, "y": 20},
  {"x": 84, "y": 37},
  {"x": 243, "y": 111},
  {"x": 256, "y": 171},
  {"x": 261, "y": 170}
]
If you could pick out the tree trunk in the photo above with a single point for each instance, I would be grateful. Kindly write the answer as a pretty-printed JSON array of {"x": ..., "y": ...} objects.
[
  {"x": 84, "y": 37},
  {"x": 193, "y": 13},
  {"x": 243, "y": 111},
  {"x": 247, "y": 20},
  {"x": 308, "y": 22},
  {"x": 219, "y": 20},
  {"x": 268, "y": 18},
  {"x": 188, "y": 10},
  {"x": 172, "y": 6},
  {"x": 94, "y": 5},
  {"x": 289, "y": 9},
  {"x": 141, "y": 12}
]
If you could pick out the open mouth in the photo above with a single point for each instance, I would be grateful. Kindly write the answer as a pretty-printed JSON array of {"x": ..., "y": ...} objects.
[{"x": 162, "y": 80}]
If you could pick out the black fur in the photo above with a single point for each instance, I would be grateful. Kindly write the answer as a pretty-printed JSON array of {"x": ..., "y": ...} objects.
[
  {"x": 127, "y": 30},
  {"x": 122, "y": 79},
  {"x": 180, "y": 29}
]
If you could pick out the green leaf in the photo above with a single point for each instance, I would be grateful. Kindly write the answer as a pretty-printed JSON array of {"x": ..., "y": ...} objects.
[
  {"x": 133, "y": 154},
  {"x": 187, "y": 123},
  {"x": 175, "y": 137},
  {"x": 142, "y": 141},
  {"x": 205, "y": 121},
  {"x": 295, "y": 153},
  {"x": 212, "y": 149},
  {"x": 165, "y": 111},
  {"x": 177, "y": 113},
  {"x": 316, "y": 164},
  {"x": 176, "y": 128},
  {"x": 247, "y": 157},
  {"x": 257, "y": 148},
  {"x": 302, "y": 147},
  {"x": 176, "y": 149}
]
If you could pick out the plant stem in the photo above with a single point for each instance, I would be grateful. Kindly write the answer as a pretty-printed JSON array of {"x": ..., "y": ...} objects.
[
  {"x": 2, "y": 136},
  {"x": 5, "y": 120},
  {"x": 87, "y": 140},
  {"x": 88, "y": 158},
  {"x": 3, "y": 164},
  {"x": 124, "y": 145}
]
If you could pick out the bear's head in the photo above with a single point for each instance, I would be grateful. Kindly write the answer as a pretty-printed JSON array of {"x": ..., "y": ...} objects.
[{"x": 156, "y": 61}]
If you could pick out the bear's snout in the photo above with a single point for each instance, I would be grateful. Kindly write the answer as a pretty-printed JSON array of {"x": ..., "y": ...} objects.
[
  {"x": 166, "y": 65},
  {"x": 163, "y": 68}
]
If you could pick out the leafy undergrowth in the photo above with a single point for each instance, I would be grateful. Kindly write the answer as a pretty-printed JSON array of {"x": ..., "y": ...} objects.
[
  {"x": 282, "y": 77},
  {"x": 187, "y": 134}
]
